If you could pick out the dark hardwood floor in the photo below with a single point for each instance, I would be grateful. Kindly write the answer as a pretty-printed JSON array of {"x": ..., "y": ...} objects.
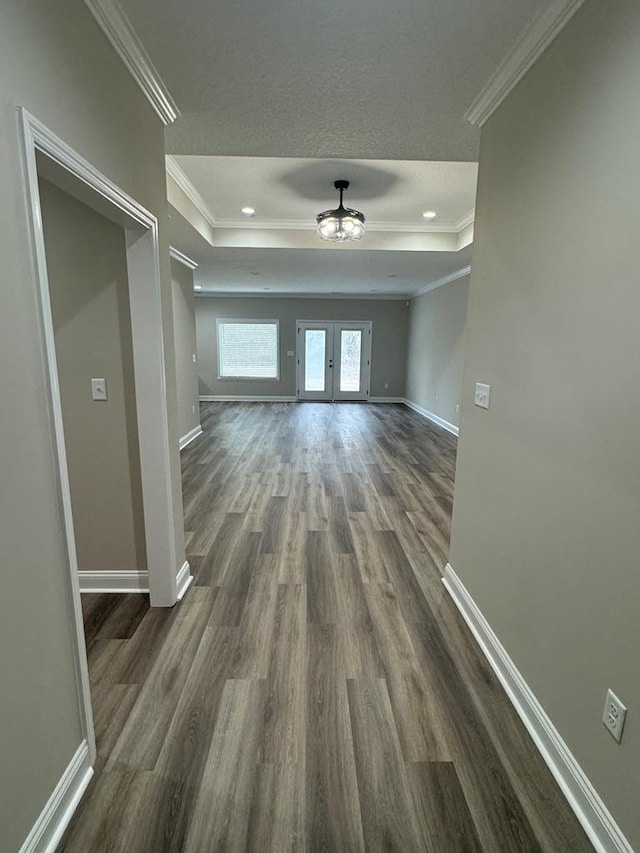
[{"x": 316, "y": 689}]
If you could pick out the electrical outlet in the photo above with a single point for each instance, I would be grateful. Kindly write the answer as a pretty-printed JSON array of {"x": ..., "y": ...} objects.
[
  {"x": 386, "y": 385},
  {"x": 193, "y": 409},
  {"x": 482, "y": 395},
  {"x": 457, "y": 407},
  {"x": 193, "y": 357},
  {"x": 614, "y": 715},
  {"x": 98, "y": 389},
  {"x": 437, "y": 399}
]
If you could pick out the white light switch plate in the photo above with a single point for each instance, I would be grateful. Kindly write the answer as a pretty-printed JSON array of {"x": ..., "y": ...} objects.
[
  {"x": 482, "y": 395},
  {"x": 98, "y": 389}
]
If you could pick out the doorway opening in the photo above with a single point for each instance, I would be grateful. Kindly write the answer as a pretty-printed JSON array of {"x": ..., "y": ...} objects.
[
  {"x": 46, "y": 156},
  {"x": 333, "y": 360}
]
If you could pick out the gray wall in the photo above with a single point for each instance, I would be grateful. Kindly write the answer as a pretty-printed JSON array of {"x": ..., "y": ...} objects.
[
  {"x": 389, "y": 339},
  {"x": 435, "y": 349},
  {"x": 54, "y": 61},
  {"x": 546, "y": 531},
  {"x": 184, "y": 327},
  {"x": 88, "y": 283}
]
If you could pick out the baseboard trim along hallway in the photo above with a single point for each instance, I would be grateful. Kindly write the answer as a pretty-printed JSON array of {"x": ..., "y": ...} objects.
[
  {"x": 188, "y": 437},
  {"x": 183, "y": 579},
  {"x": 54, "y": 818},
  {"x": 114, "y": 580},
  {"x": 597, "y": 821},
  {"x": 452, "y": 428}
]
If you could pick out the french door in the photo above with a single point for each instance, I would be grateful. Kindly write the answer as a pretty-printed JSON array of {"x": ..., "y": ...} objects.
[{"x": 334, "y": 360}]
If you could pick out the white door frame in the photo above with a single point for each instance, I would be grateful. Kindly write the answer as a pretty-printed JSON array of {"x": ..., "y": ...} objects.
[
  {"x": 166, "y": 585},
  {"x": 332, "y": 360}
]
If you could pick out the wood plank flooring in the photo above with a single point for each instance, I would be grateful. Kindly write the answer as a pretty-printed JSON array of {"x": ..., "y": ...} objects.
[{"x": 316, "y": 689}]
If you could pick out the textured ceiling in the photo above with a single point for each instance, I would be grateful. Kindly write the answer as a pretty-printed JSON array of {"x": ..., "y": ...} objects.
[
  {"x": 356, "y": 79},
  {"x": 388, "y": 192}
]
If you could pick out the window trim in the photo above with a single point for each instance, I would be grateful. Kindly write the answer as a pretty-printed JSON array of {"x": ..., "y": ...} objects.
[{"x": 237, "y": 321}]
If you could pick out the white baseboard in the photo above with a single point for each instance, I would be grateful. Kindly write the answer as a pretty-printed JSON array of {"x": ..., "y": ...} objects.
[
  {"x": 54, "y": 818},
  {"x": 452, "y": 428},
  {"x": 129, "y": 580},
  {"x": 217, "y": 398},
  {"x": 585, "y": 801},
  {"x": 183, "y": 579},
  {"x": 116, "y": 580},
  {"x": 188, "y": 437},
  {"x": 386, "y": 399}
]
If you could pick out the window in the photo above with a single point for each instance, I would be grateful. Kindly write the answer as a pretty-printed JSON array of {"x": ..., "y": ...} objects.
[{"x": 247, "y": 349}]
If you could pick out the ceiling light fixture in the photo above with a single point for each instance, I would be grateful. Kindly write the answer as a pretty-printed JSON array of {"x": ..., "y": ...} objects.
[
  {"x": 197, "y": 287},
  {"x": 429, "y": 214},
  {"x": 248, "y": 211},
  {"x": 341, "y": 224}
]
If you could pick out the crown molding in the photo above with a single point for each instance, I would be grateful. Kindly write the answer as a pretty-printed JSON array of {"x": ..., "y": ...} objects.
[
  {"x": 447, "y": 279},
  {"x": 527, "y": 49},
  {"x": 249, "y": 294},
  {"x": 117, "y": 28},
  {"x": 176, "y": 255},
  {"x": 176, "y": 174},
  {"x": 466, "y": 221},
  {"x": 251, "y": 224},
  {"x": 301, "y": 225}
]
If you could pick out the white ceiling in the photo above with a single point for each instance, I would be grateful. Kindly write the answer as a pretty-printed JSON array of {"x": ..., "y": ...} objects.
[
  {"x": 311, "y": 272},
  {"x": 270, "y": 271},
  {"x": 357, "y": 79},
  {"x": 287, "y": 191}
]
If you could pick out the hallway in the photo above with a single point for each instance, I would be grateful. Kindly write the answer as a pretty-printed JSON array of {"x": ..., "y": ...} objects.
[{"x": 316, "y": 689}]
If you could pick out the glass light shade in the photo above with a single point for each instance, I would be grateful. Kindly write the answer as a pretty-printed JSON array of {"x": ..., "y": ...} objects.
[{"x": 340, "y": 225}]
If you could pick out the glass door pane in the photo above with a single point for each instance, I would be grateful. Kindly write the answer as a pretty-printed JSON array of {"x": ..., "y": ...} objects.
[
  {"x": 315, "y": 347},
  {"x": 315, "y": 360},
  {"x": 350, "y": 358}
]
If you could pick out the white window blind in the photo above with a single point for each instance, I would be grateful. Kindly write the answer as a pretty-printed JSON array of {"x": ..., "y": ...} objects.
[{"x": 248, "y": 349}]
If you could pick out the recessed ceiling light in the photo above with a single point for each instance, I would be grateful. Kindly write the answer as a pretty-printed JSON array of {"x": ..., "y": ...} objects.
[
  {"x": 197, "y": 287},
  {"x": 248, "y": 211},
  {"x": 429, "y": 214}
]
